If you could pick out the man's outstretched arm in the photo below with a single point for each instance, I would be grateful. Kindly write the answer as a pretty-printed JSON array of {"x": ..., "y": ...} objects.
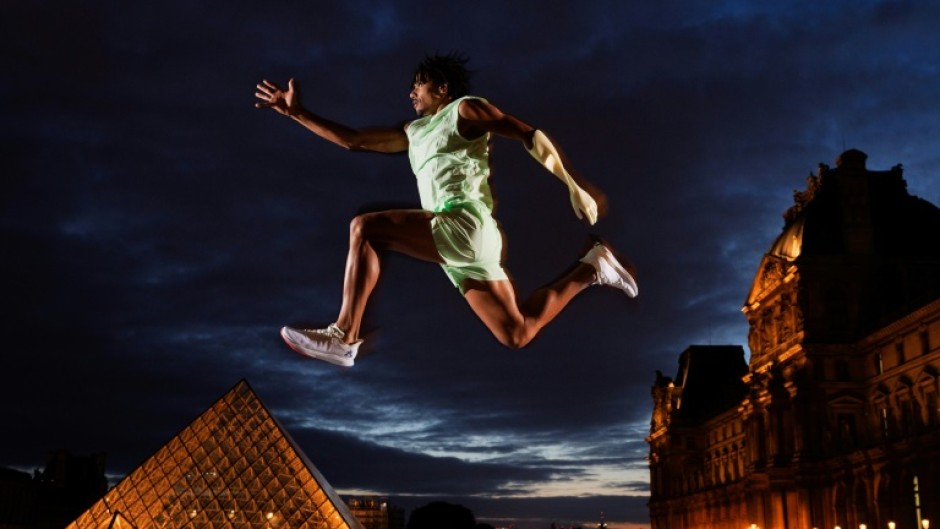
[
  {"x": 287, "y": 103},
  {"x": 478, "y": 117}
]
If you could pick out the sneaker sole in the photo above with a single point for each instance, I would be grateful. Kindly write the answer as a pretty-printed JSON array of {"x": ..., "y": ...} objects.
[{"x": 313, "y": 353}]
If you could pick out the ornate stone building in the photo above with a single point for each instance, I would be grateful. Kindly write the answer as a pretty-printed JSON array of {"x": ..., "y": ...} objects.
[{"x": 835, "y": 420}]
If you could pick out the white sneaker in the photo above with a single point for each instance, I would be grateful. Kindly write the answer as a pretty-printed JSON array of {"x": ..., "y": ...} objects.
[
  {"x": 609, "y": 270},
  {"x": 322, "y": 344}
]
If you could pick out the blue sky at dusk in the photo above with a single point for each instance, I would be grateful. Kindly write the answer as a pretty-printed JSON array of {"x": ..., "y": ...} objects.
[{"x": 158, "y": 229}]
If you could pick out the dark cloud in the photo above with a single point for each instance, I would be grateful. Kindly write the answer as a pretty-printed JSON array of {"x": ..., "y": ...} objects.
[{"x": 158, "y": 230}]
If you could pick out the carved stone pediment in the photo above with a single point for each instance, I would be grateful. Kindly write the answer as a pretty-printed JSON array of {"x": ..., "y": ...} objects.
[{"x": 769, "y": 276}]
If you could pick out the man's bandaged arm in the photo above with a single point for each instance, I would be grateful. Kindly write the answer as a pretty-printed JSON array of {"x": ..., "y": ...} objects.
[{"x": 545, "y": 152}]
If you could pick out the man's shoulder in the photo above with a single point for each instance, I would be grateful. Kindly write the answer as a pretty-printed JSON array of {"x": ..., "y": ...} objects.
[
  {"x": 472, "y": 100},
  {"x": 475, "y": 108}
]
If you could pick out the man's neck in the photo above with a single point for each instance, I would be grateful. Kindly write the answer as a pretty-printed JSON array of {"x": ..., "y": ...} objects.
[{"x": 441, "y": 106}]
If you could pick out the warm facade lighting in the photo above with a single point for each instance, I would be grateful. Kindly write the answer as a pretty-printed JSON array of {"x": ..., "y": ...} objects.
[
  {"x": 926, "y": 523},
  {"x": 891, "y": 525},
  {"x": 727, "y": 418}
]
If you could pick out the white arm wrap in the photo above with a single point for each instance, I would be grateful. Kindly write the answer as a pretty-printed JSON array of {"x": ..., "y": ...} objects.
[{"x": 542, "y": 150}]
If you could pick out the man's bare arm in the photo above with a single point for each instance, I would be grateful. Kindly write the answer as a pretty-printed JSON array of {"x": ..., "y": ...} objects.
[
  {"x": 287, "y": 103},
  {"x": 478, "y": 117}
]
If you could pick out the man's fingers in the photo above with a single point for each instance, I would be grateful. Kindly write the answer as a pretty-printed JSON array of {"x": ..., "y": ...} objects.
[
  {"x": 268, "y": 91},
  {"x": 268, "y": 88}
]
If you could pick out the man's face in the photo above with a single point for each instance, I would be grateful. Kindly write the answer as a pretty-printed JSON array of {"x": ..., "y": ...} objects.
[{"x": 427, "y": 98}]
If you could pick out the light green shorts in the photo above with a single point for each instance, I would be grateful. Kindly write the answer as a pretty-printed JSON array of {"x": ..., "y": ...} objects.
[{"x": 470, "y": 242}]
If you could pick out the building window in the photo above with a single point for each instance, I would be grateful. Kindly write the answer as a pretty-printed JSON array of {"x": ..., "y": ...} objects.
[
  {"x": 885, "y": 424},
  {"x": 924, "y": 342},
  {"x": 879, "y": 364},
  {"x": 907, "y": 414},
  {"x": 933, "y": 408},
  {"x": 899, "y": 349},
  {"x": 847, "y": 430},
  {"x": 917, "y": 500}
]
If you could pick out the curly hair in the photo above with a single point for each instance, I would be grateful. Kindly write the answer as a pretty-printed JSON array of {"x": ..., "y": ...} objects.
[{"x": 450, "y": 69}]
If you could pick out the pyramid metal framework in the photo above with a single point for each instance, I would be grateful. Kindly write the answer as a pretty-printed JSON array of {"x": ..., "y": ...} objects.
[{"x": 233, "y": 467}]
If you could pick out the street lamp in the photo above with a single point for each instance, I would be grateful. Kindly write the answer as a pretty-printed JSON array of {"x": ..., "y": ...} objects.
[
  {"x": 926, "y": 523},
  {"x": 862, "y": 526},
  {"x": 891, "y": 525},
  {"x": 754, "y": 526}
]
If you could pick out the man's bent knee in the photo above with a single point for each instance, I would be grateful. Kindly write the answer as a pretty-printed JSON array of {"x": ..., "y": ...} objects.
[
  {"x": 362, "y": 225},
  {"x": 514, "y": 338}
]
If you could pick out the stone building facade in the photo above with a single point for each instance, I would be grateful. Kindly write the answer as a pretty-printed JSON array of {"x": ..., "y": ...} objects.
[{"x": 835, "y": 419}]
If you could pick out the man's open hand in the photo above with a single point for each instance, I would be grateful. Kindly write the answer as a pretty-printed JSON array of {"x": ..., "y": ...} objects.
[{"x": 286, "y": 102}]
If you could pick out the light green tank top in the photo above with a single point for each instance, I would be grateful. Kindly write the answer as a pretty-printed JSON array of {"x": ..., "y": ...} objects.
[{"x": 450, "y": 169}]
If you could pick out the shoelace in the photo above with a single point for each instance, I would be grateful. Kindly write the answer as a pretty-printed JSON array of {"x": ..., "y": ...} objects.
[
  {"x": 331, "y": 330},
  {"x": 336, "y": 332}
]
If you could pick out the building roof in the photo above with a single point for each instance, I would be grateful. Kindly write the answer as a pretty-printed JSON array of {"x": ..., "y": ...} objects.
[
  {"x": 840, "y": 204},
  {"x": 711, "y": 380}
]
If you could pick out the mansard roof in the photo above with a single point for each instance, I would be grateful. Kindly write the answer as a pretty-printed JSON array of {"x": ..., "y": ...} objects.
[
  {"x": 851, "y": 196},
  {"x": 711, "y": 380}
]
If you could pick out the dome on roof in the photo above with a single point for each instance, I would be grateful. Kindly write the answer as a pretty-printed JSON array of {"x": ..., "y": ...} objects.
[{"x": 789, "y": 244}]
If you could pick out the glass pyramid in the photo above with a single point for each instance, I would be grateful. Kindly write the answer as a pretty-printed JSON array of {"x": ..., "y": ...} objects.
[{"x": 233, "y": 467}]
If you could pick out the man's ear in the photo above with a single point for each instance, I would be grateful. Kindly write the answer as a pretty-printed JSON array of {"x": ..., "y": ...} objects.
[{"x": 443, "y": 89}]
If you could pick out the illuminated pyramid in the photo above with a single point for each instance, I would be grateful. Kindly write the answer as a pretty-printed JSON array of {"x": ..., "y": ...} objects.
[{"x": 233, "y": 467}]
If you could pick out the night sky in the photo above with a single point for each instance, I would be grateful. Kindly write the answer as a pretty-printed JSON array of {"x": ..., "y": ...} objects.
[{"x": 158, "y": 229}]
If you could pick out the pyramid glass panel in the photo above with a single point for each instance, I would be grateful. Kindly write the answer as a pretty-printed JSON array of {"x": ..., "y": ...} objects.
[{"x": 234, "y": 467}]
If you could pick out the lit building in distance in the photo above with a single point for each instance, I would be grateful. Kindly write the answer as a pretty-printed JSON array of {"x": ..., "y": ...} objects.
[
  {"x": 374, "y": 512},
  {"x": 835, "y": 420}
]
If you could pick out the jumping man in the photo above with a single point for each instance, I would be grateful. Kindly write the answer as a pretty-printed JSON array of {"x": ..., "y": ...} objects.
[{"x": 448, "y": 146}]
